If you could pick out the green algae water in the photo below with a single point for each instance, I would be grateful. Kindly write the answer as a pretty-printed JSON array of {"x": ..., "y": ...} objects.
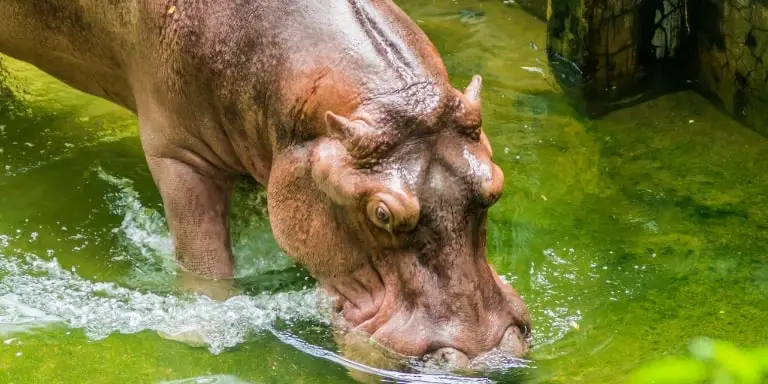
[{"x": 627, "y": 236}]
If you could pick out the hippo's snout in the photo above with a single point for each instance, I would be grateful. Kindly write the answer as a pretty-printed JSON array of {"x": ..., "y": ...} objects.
[
  {"x": 513, "y": 344},
  {"x": 449, "y": 358},
  {"x": 446, "y": 327}
]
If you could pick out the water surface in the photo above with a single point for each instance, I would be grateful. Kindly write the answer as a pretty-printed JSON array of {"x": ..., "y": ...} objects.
[{"x": 626, "y": 236}]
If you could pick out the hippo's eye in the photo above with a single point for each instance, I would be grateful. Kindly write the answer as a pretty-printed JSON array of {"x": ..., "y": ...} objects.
[{"x": 380, "y": 215}]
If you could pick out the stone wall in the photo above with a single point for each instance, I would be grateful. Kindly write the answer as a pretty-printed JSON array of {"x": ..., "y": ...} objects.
[
  {"x": 608, "y": 54},
  {"x": 732, "y": 56}
]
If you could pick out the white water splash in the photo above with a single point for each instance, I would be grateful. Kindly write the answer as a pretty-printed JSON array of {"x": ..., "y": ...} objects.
[
  {"x": 146, "y": 243},
  {"x": 36, "y": 292},
  {"x": 142, "y": 229},
  {"x": 34, "y": 289},
  {"x": 16, "y": 317}
]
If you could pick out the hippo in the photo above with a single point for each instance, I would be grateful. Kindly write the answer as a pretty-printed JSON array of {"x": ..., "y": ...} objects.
[{"x": 377, "y": 171}]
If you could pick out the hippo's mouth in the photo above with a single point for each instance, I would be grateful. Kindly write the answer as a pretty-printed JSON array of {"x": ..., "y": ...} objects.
[{"x": 371, "y": 312}]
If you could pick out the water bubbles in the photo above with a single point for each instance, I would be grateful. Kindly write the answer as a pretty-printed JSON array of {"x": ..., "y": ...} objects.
[
  {"x": 497, "y": 360},
  {"x": 552, "y": 255},
  {"x": 38, "y": 292}
]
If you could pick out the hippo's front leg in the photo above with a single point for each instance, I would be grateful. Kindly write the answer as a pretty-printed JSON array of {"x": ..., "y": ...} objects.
[{"x": 197, "y": 206}]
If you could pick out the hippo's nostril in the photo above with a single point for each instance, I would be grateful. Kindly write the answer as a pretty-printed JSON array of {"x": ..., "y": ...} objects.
[
  {"x": 514, "y": 342},
  {"x": 448, "y": 358}
]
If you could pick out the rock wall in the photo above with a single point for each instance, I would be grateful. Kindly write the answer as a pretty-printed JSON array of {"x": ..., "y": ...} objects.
[
  {"x": 608, "y": 54},
  {"x": 732, "y": 56}
]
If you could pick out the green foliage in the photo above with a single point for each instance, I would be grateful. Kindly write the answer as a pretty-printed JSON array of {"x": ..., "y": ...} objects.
[{"x": 709, "y": 361}]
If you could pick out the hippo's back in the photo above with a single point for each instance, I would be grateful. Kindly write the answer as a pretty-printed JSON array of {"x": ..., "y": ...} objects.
[
  {"x": 84, "y": 43},
  {"x": 355, "y": 48},
  {"x": 368, "y": 38}
]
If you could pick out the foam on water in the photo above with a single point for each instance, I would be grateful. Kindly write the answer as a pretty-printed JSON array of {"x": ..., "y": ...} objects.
[
  {"x": 16, "y": 317},
  {"x": 101, "y": 309}
]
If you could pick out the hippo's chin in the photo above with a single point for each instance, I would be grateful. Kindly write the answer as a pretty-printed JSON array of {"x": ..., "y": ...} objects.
[
  {"x": 382, "y": 331},
  {"x": 363, "y": 348}
]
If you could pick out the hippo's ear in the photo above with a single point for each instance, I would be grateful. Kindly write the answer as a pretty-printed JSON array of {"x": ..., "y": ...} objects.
[
  {"x": 469, "y": 117},
  {"x": 333, "y": 171},
  {"x": 472, "y": 93},
  {"x": 343, "y": 129},
  {"x": 359, "y": 137}
]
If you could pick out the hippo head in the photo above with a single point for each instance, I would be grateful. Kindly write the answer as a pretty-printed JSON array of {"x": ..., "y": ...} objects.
[{"x": 388, "y": 211}]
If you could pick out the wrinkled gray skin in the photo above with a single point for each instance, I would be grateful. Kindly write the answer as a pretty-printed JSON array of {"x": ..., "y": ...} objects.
[{"x": 378, "y": 173}]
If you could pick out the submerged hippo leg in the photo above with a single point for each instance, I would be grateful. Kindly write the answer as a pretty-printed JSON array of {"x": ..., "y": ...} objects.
[
  {"x": 196, "y": 202},
  {"x": 196, "y": 197},
  {"x": 197, "y": 207}
]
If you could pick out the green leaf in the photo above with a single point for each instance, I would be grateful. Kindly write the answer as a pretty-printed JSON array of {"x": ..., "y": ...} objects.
[
  {"x": 671, "y": 371},
  {"x": 727, "y": 356},
  {"x": 760, "y": 357}
]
